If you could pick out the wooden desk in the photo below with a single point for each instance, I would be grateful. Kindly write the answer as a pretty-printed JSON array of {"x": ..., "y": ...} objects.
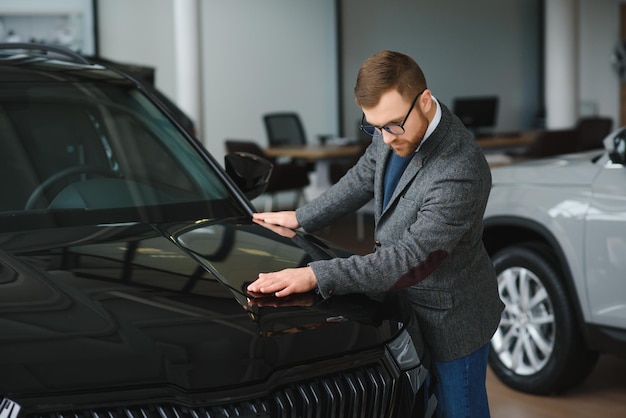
[
  {"x": 321, "y": 155},
  {"x": 495, "y": 147},
  {"x": 319, "y": 152},
  {"x": 507, "y": 141},
  {"x": 314, "y": 152}
]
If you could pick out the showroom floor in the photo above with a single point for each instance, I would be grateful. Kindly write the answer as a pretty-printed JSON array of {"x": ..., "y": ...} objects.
[{"x": 603, "y": 394}]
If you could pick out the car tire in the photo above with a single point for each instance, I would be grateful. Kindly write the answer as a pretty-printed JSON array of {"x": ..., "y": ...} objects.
[{"x": 538, "y": 347}]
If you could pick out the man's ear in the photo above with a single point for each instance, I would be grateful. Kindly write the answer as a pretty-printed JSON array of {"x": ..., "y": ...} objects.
[{"x": 426, "y": 101}]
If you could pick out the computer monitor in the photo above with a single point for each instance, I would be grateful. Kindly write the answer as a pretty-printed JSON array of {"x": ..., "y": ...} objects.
[{"x": 478, "y": 114}]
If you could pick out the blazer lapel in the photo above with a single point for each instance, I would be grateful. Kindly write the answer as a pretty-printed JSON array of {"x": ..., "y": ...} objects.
[
  {"x": 379, "y": 181},
  {"x": 425, "y": 151}
]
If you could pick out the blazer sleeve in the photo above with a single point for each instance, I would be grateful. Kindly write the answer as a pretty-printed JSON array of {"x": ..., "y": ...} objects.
[{"x": 352, "y": 191}]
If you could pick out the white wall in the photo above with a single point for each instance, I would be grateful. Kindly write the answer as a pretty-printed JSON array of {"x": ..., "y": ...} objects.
[
  {"x": 465, "y": 48},
  {"x": 140, "y": 32},
  {"x": 266, "y": 55},
  {"x": 483, "y": 47},
  {"x": 256, "y": 57},
  {"x": 599, "y": 35}
]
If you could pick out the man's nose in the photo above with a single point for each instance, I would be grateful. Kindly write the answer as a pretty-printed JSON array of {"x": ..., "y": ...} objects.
[{"x": 388, "y": 137}]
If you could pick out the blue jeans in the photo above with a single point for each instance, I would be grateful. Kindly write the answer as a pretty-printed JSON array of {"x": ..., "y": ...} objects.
[{"x": 460, "y": 386}]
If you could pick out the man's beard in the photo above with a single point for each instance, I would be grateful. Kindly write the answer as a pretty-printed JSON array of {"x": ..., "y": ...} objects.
[{"x": 414, "y": 141}]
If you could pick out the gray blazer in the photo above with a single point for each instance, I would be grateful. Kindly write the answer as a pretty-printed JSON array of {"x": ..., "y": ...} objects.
[{"x": 428, "y": 239}]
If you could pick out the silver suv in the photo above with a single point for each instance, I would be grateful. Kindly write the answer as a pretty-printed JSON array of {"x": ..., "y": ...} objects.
[{"x": 556, "y": 232}]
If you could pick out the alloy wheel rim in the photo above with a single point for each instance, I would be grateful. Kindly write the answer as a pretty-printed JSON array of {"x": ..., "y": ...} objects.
[{"x": 525, "y": 338}]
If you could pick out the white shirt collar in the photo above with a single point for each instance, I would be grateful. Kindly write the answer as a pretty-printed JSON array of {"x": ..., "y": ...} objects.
[{"x": 433, "y": 123}]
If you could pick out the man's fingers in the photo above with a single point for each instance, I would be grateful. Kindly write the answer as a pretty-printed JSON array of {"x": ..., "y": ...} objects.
[
  {"x": 269, "y": 217},
  {"x": 284, "y": 282},
  {"x": 282, "y": 218},
  {"x": 267, "y": 283},
  {"x": 284, "y": 292}
]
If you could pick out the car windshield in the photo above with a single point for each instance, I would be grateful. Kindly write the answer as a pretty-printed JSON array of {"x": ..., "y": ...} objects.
[{"x": 85, "y": 153}]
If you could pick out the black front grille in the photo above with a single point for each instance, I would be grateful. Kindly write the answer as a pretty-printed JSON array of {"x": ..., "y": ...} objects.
[
  {"x": 363, "y": 393},
  {"x": 366, "y": 392}
]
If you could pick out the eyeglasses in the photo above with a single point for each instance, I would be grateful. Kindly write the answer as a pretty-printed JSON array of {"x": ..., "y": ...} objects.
[{"x": 392, "y": 128}]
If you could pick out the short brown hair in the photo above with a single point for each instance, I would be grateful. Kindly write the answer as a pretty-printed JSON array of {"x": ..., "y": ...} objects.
[{"x": 387, "y": 70}]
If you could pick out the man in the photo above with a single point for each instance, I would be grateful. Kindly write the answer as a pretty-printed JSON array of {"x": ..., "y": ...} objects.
[{"x": 430, "y": 183}]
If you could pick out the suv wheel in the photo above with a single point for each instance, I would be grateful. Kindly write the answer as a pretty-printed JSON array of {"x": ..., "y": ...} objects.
[{"x": 538, "y": 347}]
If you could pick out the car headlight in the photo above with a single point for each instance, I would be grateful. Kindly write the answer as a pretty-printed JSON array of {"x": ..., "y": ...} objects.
[
  {"x": 404, "y": 352},
  {"x": 405, "y": 355}
]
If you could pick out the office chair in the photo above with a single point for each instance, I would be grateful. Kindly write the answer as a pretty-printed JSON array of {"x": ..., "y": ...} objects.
[
  {"x": 290, "y": 176},
  {"x": 591, "y": 131},
  {"x": 284, "y": 129}
]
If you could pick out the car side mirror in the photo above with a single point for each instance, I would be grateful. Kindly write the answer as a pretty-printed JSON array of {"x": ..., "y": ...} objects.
[
  {"x": 250, "y": 172},
  {"x": 616, "y": 144}
]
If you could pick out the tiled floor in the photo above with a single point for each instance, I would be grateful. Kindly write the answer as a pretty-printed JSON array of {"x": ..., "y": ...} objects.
[{"x": 602, "y": 395}]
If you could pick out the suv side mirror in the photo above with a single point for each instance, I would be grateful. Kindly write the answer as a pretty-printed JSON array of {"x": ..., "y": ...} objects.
[
  {"x": 250, "y": 172},
  {"x": 616, "y": 144}
]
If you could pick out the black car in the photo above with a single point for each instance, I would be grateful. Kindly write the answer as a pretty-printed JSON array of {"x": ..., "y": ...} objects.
[{"x": 125, "y": 251}]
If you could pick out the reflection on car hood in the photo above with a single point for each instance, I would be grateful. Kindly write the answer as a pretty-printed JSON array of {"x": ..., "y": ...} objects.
[
  {"x": 571, "y": 169},
  {"x": 162, "y": 309}
]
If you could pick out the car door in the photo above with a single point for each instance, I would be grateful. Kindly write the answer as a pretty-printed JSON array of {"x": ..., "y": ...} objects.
[{"x": 605, "y": 247}]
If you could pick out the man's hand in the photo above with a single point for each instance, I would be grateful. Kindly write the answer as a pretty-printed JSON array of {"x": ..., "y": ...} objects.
[
  {"x": 280, "y": 230},
  {"x": 284, "y": 282},
  {"x": 286, "y": 218},
  {"x": 299, "y": 299}
]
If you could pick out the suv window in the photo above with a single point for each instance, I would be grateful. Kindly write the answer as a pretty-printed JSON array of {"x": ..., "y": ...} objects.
[{"x": 94, "y": 147}]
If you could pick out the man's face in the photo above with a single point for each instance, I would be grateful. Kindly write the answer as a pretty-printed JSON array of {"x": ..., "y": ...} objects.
[{"x": 392, "y": 108}]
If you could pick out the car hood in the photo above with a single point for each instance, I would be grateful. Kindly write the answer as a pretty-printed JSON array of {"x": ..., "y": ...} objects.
[
  {"x": 564, "y": 170},
  {"x": 161, "y": 309}
]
